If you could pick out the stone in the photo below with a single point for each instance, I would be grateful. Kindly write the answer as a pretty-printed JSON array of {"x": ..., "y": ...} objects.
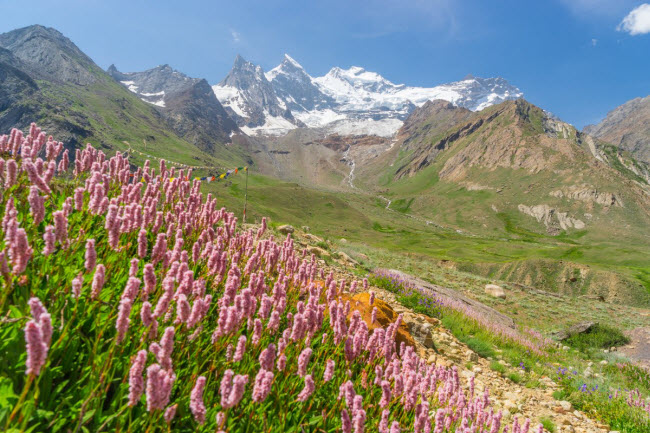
[
  {"x": 566, "y": 405},
  {"x": 347, "y": 259},
  {"x": 317, "y": 251},
  {"x": 473, "y": 357},
  {"x": 603, "y": 362},
  {"x": 495, "y": 291},
  {"x": 385, "y": 316},
  {"x": 286, "y": 229},
  {"x": 578, "y": 328},
  {"x": 313, "y": 238}
]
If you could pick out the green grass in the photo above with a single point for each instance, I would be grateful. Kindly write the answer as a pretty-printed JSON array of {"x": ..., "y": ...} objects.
[
  {"x": 498, "y": 367},
  {"x": 599, "y": 337},
  {"x": 482, "y": 347},
  {"x": 548, "y": 424},
  {"x": 515, "y": 377}
]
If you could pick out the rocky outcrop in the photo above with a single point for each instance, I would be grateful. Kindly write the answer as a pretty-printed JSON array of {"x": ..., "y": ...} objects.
[
  {"x": 588, "y": 194},
  {"x": 628, "y": 127},
  {"x": 50, "y": 55},
  {"x": 578, "y": 328},
  {"x": 385, "y": 315},
  {"x": 551, "y": 218}
]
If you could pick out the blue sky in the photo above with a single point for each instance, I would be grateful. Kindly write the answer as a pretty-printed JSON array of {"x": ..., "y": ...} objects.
[{"x": 567, "y": 56}]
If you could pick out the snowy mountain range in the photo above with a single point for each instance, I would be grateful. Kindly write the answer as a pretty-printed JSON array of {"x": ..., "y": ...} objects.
[
  {"x": 350, "y": 101},
  {"x": 345, "y": 101}
]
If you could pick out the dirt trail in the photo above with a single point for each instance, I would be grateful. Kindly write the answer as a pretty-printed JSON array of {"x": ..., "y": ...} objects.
[{"x": 639, "y": 348}]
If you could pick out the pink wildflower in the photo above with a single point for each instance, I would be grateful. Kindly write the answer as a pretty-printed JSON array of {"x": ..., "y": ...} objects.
[
  {"x": 49, "y": 239},
  {"x": 303, "y": 360},
  {"x": 262, "y": 386},
  {"x": 36, "y": 348},
  {"x": 60, "y": 226},
  {"x": 329, "y": 371},
  {"x": 308, "y": 390},
  {"x": 91, "y": 255},
  {"x": 197, "y": 407},
  {"x": 241, "y": 348},
  {"x": 21, "y": 252},
  {"x": 142, "y": 243},
  {"x": 346, "y": 424},
  {"x": 122, "y": 323},
  {"x": 170, "y": 413},
  {"x": 267, "y": 357},
  {"x": 98, "y": 281},
  {"x": 136, "y": 381},
  {"x": 37, "y": 205},
  {"x": 77, "y": 283}
]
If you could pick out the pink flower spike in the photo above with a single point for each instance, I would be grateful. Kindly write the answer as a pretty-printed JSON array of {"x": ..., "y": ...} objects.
[
  {"x": 122, "y": 323},
  {"x": 91, "y": 255},
  {"x": 98, "y": 281},
  {"x": 36, "y": 348},
  {"x": 136, "y": 381},
  {"x": 170, "y": 413},
  {"x": 308, "y": 389},
  {"x": 197, "y": 407}
]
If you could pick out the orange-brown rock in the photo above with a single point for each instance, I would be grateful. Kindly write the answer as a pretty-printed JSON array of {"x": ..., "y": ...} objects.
[{"x": 385, "y": 315}]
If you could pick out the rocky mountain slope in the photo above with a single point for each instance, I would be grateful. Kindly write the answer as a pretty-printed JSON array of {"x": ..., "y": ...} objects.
[
  {"x": 509, "y": 164},
  {"x": 628, "y": 127},
  {"x": 45, "y": 78},
  {"x": 345, "y": 101},
  {"x": 188, "y": 104}
]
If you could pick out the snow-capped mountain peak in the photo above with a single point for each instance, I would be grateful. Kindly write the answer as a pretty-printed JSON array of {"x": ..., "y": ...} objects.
[
  {"x": 249, "y": 98},
  {"x": 358, "y": 77},
  {"x": 347, "y": 101},
  {"x": 289, "y": 67}
]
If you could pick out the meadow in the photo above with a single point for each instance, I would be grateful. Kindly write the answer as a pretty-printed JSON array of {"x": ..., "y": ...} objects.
[{"x": 131, "y": 302}]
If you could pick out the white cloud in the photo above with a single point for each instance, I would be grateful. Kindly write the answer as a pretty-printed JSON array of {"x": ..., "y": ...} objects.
[
  {"x": 637, "y": 22},
  {"x": 236, "y": 37},
  {"x": 594, "y": 42}
]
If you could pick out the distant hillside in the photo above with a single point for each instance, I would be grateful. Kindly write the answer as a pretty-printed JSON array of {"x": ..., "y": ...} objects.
[
  {"x": 45, "y": 78},
  {"x": 188, "y": 104},
  {"x": 628, "y": 127}
]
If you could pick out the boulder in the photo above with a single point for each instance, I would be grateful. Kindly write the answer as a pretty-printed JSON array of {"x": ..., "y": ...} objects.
[
  {"x": 318, "y": 252},
  {"x": 312, "y": 238},
  {"x": 286, "y": 229},
  {"x": 422, "y": 333},
  {"x": 347, "y": 259},
  {"x": 578, "y": 328},
  {"x": 495, "y": 291},
  {"x": 385, "y": 315}
]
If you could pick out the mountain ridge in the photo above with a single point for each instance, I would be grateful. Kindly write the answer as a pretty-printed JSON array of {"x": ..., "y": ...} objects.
[
  {"x": 345, "y": 101},
  {"x": 627, "y": 127},
  {"x": 188, "y": 104}
]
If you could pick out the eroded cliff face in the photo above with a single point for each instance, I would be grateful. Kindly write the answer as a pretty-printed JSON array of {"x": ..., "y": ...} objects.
[{"x": 628, "y": 127}]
